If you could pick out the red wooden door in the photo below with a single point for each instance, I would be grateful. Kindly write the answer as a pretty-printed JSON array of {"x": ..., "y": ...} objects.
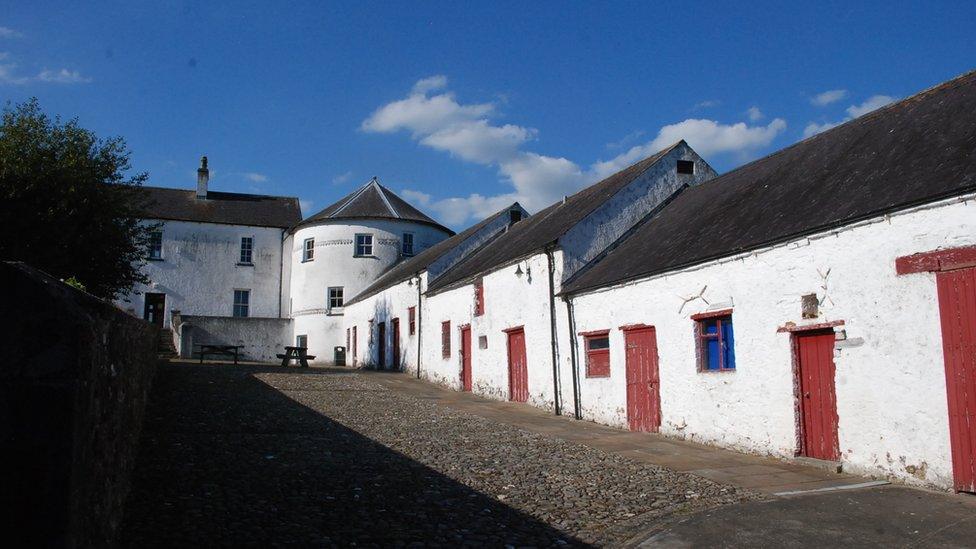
[
  {"x": 466, "y": 358},
  {"x": 957, "y": 308},
  {"x": 818, "y": 400},
  {"x": 381, "y": 354},
  {"x": 643, "y": 380},
  {"x": 518, "y": 372},
  {"x": 395, "y": 328}
]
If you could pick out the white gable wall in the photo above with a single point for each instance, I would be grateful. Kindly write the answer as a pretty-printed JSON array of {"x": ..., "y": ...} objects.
[{"x": 890, "y": 380}]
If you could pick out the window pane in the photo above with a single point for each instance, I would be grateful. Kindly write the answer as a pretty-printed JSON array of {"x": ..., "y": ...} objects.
[
  {"x": 711, "y": 354},
  {"x": 596, "y": 343},
  {"x": 728, "y": 342}
]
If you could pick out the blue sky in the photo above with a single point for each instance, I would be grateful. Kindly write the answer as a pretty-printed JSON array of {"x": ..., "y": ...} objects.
[{"x": 464, "y": 107}]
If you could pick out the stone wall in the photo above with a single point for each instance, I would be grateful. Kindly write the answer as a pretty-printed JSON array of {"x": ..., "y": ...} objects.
[
  {"x": 262, "y": 338},
  {"x": 73, "y": 387}
]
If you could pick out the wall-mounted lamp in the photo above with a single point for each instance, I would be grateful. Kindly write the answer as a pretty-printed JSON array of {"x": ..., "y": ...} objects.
[
  {"x": 518, "y": 271},
  {"x": 410, "y": 282}
]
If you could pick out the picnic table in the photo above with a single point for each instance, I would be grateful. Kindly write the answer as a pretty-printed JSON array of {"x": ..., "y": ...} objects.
[
  {"x": 296, "y": 353},
  {"x": 223, "y": 350}
]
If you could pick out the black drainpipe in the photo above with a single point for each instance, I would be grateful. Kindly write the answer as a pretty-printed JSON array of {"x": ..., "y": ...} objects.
[
  {"x": 552, "y": 333},
  {"x": 571, "y": 317},
  {"x": 420, "y": 325}
]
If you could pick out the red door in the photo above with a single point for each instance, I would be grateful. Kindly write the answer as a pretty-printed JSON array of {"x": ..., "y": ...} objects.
[
  {"x": 818, "y": 400},
  {"x": 381, "y": 354},
  {"x": 518, "y": 372},
  {"x": 957, "y": 308},
  {"x": 466, "y": 358},
  {"x": 643, "y": 380},
  {"x": 395, "y": 328}
]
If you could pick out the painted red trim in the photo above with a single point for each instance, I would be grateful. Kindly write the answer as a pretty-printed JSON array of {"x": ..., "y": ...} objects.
[
  {"x": 595, "y": 333},
  {"x": 790, "y": 327},
  {"x": 937, "y": 261},
  {"x": 711, "y": 314},
  {"x": 629, "y": 327},
  {"x": 515, "y": 329}
]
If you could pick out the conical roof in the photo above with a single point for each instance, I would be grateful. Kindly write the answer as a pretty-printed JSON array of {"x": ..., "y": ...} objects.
[{"x": 372, "y": 201}]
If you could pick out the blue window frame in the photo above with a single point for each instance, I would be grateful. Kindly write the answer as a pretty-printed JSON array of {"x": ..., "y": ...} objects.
[{"x": 716, "y": 344}]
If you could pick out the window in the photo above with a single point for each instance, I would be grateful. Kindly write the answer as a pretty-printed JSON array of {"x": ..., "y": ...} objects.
[
  {"x": 347, "y": 339},
  {"x": 335, "y": 298},
  {"x": 483, "y": 342},
  {"x": 412, "y": 319},
  {"x": 597, "y": 354},
  {"x": 301, "y": 341},
  {"x": 355, "y": 344},
  {"x": 686, "y": 167},
  {"x": 514, "y": 216},
  {"x": 308, "y": 250},
  {"x": 479, "y": 298},
  {"x": 242, "y": 299},
  {"x": 446, "y": 339},
  {"x": 408, "y": 244},
  {"x": 247, "y": 249},
  {"x": 364, "y": 245},
  {"x": 156, "y": 245},
  {"x": 716, "y": 344}
]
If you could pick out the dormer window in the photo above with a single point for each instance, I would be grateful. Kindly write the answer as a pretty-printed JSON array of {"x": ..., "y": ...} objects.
[{"x": 686, "y": 167}]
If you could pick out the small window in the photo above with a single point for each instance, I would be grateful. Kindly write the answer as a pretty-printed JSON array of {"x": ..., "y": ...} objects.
[
  {"x": 407, "y": 244},
  {"x": 355, "y": 344},
  {"x": 483, "y": 342},
  {"x": 308, "y": 250},
  {"x": 716, "y": 344},
  {"x": 301, "y": 341},
  {"x": 247, "y": 249},
  {"x": 598, "y": 354},
  {"x": 242, "y": 303},
  {"x": 446, "y": 339},
  {"x": 364, "y": 245},
  {"x": 412, "y": 319},
  {"x": 479, "y": 298},
  {"x": 156, "y": 245},
  {"x": 514, "y": 216},
  {"x": 686, "y": 167},
  {"x": 335, "y": 298}
]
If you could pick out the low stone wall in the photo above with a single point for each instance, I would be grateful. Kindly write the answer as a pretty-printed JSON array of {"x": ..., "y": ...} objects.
[
  {"x": 73, "y": 387},
  {"x": 262, "y": 338}
]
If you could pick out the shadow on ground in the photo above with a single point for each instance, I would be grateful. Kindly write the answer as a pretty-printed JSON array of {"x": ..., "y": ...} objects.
[{"x": 227, "y": 460}]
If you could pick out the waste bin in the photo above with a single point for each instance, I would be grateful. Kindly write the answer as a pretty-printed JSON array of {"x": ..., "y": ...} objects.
[{"x": 340, "y": 356}]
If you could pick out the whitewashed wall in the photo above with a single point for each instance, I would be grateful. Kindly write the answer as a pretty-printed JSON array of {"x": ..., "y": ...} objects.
[
  {"x": 334, "y": 264},
  {"x": 891, "y": 395},
  {"x": 383, "y": 307},
  {"x": 199, "y": 270}
]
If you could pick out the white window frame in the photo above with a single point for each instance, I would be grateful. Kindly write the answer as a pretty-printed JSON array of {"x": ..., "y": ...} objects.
[
  {"x": 153, "y": 255},
  {"x": 308, "y": 250},
  {"x": 356, "y": 245},
  {"x": 249, "y": 249},
  {"x": 245, "y": 304},
  {"x": 412, "y": 250},
  {"x": 335, "y": 309}
]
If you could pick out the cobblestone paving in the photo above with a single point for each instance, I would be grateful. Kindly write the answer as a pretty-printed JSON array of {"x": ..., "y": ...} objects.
[{"x": 258, "y": 456}]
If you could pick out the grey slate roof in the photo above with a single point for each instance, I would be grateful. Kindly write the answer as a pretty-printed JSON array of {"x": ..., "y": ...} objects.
[
  {"x": 545, "y": 227},
  {"x": 372, "y": 200},
  {"x": 420, "y": 262},
  {"x": 916, "y": 151},
  {"x": 220, "y": 207}
]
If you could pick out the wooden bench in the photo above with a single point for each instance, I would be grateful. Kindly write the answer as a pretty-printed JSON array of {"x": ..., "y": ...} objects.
[
  {"x": 296, "y": 353},
  {"x": 223, "y": 350}
]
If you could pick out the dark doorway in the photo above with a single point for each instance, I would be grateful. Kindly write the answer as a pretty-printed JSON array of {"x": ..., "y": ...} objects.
[
  {"x": 155, "y": 309},
  {"x": 381, "y": 354}
]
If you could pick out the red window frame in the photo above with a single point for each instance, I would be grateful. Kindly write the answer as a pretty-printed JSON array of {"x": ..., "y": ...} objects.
[
  {"x": 412, "y": 319},
  {"x": 446, "y": 339},
  {"x": 479, "y": 298},
  {"x": 597, "y": 360},
  {"x": 355, "y": 344},
  {"x": 702, "y": 338},
  {"x": 347, "y": 340}
]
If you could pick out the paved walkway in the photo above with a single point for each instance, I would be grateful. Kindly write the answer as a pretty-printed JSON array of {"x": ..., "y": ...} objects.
[{"x": 765, "y": 475}]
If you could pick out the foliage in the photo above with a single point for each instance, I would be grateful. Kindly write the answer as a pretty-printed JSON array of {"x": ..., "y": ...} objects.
[
  {"x": 67, "y": 205},
  {"x": 75, "y": 283}
]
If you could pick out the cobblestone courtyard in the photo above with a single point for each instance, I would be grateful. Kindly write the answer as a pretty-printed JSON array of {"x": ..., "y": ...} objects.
[{"x": 240, "y": 455}]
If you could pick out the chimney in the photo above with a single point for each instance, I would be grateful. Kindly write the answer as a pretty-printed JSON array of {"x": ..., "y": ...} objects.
[{"x": 203, "y": 177}]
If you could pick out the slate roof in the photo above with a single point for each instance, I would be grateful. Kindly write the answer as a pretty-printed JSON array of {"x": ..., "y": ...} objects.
[
  {"x": 420, "y": 262},
  {"x": 545, "y": 227},
  {"x": 372, "y": 200},
  {"x": 219, "y": 207},
  {"x": 915, "y": 151}
]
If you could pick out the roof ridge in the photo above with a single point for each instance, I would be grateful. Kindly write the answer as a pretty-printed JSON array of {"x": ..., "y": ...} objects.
[
  {"x": 382, "y": 191},
  {"x": 352, "y": 198}
]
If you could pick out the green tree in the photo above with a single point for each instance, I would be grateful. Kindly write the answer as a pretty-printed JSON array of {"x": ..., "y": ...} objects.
[{"x": 67, "y": 203}]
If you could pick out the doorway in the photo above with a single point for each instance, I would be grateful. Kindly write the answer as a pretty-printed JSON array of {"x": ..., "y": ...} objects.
[
  {"x": 814, "y": 355},
  {"x": 381, "y": 350},
  {"x": 643, "y": 379},
  {"x": 155, "y": 309},
  {"x": 518, "y": 372},
  {"x": 395, "y": 328},
  {"x": 466, "y": 358}
]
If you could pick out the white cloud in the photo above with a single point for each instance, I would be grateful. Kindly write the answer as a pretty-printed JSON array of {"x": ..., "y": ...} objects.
[
  {"x": 872, "y": 103},
  {"x": 63, "y": 76},
  {"x": 342, "y": 178},
  {"x": 306, "y": 206},
  {"x": 6, "y": 32},
  {"x": 707, "y": 104},
  {"x": 754, "y": 114},
  {"x": 435, "y": 119},
  {"x": 9, "y": 75},
  {"x": 255, "y": 177},
  {"x": 828, "y": 97}
]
